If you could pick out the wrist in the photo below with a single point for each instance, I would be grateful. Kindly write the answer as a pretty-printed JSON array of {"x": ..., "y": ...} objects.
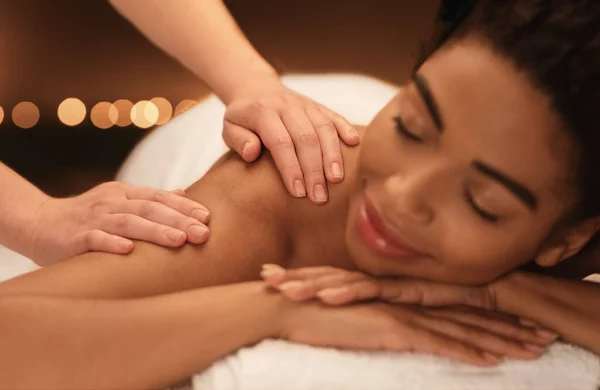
[
  {"x": 252, "y": 85},
  {"x": 508, "y": 291},
  {"x": 273, "y": 311}
]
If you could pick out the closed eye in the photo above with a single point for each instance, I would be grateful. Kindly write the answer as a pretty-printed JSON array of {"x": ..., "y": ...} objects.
[
  {"x": 403, "y": 130},
  {"x": 489, "y": 217}
]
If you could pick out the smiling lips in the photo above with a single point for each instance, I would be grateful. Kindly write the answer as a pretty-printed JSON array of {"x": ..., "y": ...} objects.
[{"x": 379, "y": 237}]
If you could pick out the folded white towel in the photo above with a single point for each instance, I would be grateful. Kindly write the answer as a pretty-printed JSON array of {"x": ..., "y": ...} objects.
[{"x": 279, "y": 365}]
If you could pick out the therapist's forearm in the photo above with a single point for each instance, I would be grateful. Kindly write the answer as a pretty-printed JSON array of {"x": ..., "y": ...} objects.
[
  {"x": 56, "y": 343},
  {"x": 569, "y": 307},
  {"x": 19, "y": 202},
  {"x": 204, "y": 37}
]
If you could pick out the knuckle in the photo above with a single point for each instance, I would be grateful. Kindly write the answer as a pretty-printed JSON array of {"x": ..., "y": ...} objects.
[
  {"x": 147, "y": 208},
  {"x": 124, "y": 222},
  {"x": 160, "y": 196},
  {"x": 309, "y": 138},
  {"x": 326, "y": 127},
  {"x": 282, "y": 141}
]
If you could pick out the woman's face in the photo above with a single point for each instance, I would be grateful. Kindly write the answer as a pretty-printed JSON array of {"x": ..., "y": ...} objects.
[{"x": 461, "y": 177}]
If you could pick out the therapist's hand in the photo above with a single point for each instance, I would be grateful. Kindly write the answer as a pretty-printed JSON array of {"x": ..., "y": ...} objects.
[
  {"x": 302, "y": 135},
  {"x": 109, "y": 216}
]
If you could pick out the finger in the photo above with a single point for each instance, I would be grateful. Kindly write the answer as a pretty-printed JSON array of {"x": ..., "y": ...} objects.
[
  {"x": 422, "y": 340},
  {"x": 358, "y": 290},
  {"x": 137, "y": 228},
  {"x": 330, "y": 144},
  {"x": 99, "y": 241},
  {"x": 308, "y": 289},
  {"x": 276, "y": 138},
  {"x": 275, "y": 275},
  {"x": 196, "y": 232},
  {"x": 480, "y": 338},
  {"x": 433, "y": 294},
  {"x": 345, "y": 130},
  {"x": 179, "y": 192},
  {"x": 243, "y": 141},
  {"x": 308, "y": 149},
  {"x": 179, "y": 203},
  {"x": 507, "y": 328}
]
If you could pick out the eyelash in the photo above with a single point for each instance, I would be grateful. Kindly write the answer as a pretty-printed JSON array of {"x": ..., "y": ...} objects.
[
  {"x": 401, "y": 128},
  {"x": 479, "y": 211}
]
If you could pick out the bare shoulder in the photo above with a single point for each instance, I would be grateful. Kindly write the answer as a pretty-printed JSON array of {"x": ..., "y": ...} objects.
[{"x": 247, "y": 230}]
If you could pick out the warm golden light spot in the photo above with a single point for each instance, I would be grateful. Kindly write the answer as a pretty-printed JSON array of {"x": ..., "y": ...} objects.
[
  {"x": 104, "y": 115},
  {"x": 184, "y": 105},
  {"x": 123, "y": 107},
  {"x": 71, "y": 111},
  {"x": 165, "y": 110},
  {"x": 25, "y": 115},
  {"x": 1, "y": 115},
  {"x": 144, "y": 114}
]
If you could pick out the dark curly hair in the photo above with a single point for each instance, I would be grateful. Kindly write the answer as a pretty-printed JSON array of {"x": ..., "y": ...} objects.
[{"x": 556, "y": 43}]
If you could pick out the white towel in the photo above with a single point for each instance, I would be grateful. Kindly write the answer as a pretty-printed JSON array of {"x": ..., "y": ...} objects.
[{"x": 279, "y": 365}]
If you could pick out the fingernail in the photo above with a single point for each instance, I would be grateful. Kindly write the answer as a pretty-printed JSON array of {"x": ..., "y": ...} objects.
[
  {"x": 291, "y": 286},
  {"x": 336, "y": 170},
  {"x": 245, "y": 150},
  {"x": 198, "y": 232},
  {"x": 271, "y": 271},
  {"x": 299, "y": 189},
  {"x": 275, "y": 266},
  {"x": 546, "y": 334},
  {"x": 489, "y": 357},
  {"x": 319, "y": 193},
  {"x": 201, "y": 215},
  {"x": 125, "y": 245},
  {"x": 175, "y": 235},
  {"x": 535, "y": 348}
]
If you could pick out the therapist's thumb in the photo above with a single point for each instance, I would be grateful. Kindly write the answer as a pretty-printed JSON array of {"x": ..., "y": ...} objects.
[{"x": 243, "y": 141}]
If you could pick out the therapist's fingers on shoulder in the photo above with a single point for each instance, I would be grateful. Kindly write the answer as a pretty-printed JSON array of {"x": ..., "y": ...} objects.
[
  {"x": 162, "y": 214},
  {"x": 177, "y": 202},
  {"x": 242, "y": 140},
  {"x": 100, "y": 241},
  {"x": 277, "y": 139},
  {"x": 329, "y": 142},
  {"x": 138, "y": 228},
  {"x": 307, "y": 147}
]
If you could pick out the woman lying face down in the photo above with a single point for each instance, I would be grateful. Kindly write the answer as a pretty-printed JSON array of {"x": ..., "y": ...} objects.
[{"x": 483, "y": 162}]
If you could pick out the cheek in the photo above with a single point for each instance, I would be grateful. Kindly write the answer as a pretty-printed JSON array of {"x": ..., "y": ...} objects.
[
  {"x": 379, "y": 152},
  {"x": 473, "y": 253}
]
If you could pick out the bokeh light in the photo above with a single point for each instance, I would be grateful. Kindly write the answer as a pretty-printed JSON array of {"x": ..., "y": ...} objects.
[
  {"x": 25, "y": 115},
  {"x": 71, "y": 111},
  {"x": 1, "y": 114},
  {"x": 184, "y": 105},
  {"x": 165, "y": 109},
  {"x": 104, "y": 115},
  {"x": 144, "y": 114},
  {"x": 123, "y": 107}
]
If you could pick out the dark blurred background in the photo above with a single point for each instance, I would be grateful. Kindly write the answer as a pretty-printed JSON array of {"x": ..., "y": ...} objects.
[{"x": 51, "y": 50}]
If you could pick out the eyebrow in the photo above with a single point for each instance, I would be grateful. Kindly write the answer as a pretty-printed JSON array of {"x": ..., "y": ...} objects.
[
  {"x": 425, "y": 92},
  {"x": 519, "y": 190}
]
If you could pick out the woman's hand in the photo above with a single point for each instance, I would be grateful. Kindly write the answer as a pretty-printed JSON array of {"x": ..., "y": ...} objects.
[
  {"x": 334, "y": 286},
  {"x": 302, "y": 135},
  {"x": 464, "y": 334},
  {"x": 109, "y": 216}
]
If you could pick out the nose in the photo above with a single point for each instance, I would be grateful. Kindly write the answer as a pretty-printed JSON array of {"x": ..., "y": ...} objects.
[{"x": 411, "y": 194}]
